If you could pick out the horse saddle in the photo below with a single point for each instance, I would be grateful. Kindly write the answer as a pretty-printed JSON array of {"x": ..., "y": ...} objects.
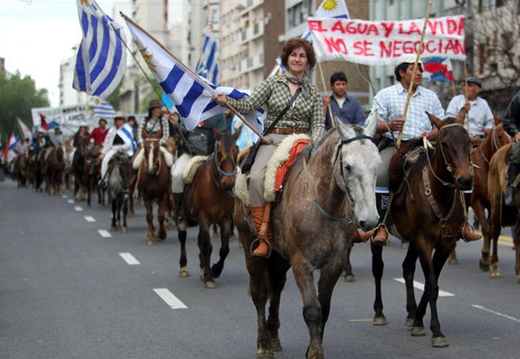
[{"x": 191, "y": 168}]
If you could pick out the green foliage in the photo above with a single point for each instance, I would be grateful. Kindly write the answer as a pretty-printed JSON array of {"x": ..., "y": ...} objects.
[
  {"x": 17, "y": 96},
  {"x": 150, "y": 93}
]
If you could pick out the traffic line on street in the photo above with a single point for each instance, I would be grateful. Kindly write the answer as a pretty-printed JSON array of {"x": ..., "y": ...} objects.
[
  {"x": 90, "y": 219},
  {"x": 104, "y": 233},
  {"x": 496, "y": 313},
  {"x": 70, "y": 201},
  {"x": 169, "y": 298},
  {"x": 129, "y": 259},
  {"x": 78, "y": 209},
  {"x": 420, "y": 286},
  {"x": 64, "y": 196}
]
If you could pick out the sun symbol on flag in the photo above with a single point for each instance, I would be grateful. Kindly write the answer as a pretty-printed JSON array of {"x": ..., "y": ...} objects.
[
  {"x": 147, "y": 57},
  {"x": 330, "y": 5},
  {"x": 85, "y": 2}
]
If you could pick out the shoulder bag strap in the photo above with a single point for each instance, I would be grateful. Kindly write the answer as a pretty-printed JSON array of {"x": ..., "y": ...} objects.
[{"x": 298, "y": 91}]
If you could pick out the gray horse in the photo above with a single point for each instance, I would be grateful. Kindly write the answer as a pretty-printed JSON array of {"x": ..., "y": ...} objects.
[{"x": 329, "y": 192}]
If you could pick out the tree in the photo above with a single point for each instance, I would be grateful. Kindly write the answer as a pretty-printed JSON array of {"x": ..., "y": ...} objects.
[
  {"x": 149, "y": 93},
  {"x": 17, "y": 96}
]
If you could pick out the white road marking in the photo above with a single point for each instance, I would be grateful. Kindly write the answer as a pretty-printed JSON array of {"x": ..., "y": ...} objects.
[
  {"x": 129, "y": 259},
  {"x": 78, "y": 209},
  {"x": 170, "y": 299},
  {"x": 64, "y": 196},
  {"x": 104, "y": 233},
  {"x": 420, "y": 286},
  {"x": 70, "y": 201},
  {"x": 90, "y": 219},
  {"x": 496, "y": 313}
]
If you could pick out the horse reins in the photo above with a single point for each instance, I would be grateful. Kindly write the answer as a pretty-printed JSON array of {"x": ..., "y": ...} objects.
[
  {"x": 339, "y": 155},
  {"x": 217, "y": 164},
  {"x": 495, "y": 143}
]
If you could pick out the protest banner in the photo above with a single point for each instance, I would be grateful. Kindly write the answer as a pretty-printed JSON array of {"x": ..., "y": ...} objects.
[
  {"x": 67, "y": 117},
  {"x": 381, "y": 42}
]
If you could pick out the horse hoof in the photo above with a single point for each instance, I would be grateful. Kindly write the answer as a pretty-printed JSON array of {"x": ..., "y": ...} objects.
[
  {"x": 184, "y": 272},
  {"x": 210, "y": 284},
  {"x": 264, "y": 354},
  {"x": 315, "y": 354},
  {"x": 404, "y": 245},
  {"x": 276, "y": 345},
  {"x": 518, "y": 279},
  {"x": 418, "y": 332},
  {"x": 124, "y": 230},
  {"x": 494, "y": 274},
  {"x": 484, "y": 266},
  {"x": 232, "y": 238},
  {"x": 409, "y": 322},
  {"x": 162, "y": 236},
  {"x": 240, "y": 245},
  {"x": 149, "y": 242},
  {"x": 453, "y": 261},
  {"x": 350, "y": 278},
  {"x": 378, "y": 321},
  {"x": 201, "y": 275},
  {"x": 440, "y": 342},
  {"x": 113, "y": 228}
]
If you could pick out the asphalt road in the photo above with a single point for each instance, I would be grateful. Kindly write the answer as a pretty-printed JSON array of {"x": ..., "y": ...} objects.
[{"x": 67, "y": 292}]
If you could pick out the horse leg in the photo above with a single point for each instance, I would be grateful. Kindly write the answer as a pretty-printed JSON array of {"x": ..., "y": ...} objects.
[
  {"x": 114, "y": 215},
  {"x": 225, "y": 233},
  {"x": 328, "y": 279},
  {"x": 163, "y": 206},
  {"x": 349, "y": 276},
  {"x": 494, "y": 271},
  {"x": 278, "y": 276},
  {"x": 377, "y": 271},
  {"x": 312, "y": 312},
  {"x": 184, "y": 271},
  {"x": 149, "y": 219},
  {"x": 205, "y": 250},
  {"x": 119, "y": 201},
  {"x": 516, "y": 241},
  {"x": 125, "y": 212},
  {"x": 408, "y": 275},
  {"x": 452, "y": 259}
]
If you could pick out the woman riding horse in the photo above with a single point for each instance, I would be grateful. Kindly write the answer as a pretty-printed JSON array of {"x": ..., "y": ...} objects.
[{"x": 304, "y": 115}]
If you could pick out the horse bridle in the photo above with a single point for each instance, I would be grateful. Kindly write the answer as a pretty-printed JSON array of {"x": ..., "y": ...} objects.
[
  {"x": 495, "y": 143},
  {"x": 218, "y": 163},
  {"x": 158, "y": 155}
]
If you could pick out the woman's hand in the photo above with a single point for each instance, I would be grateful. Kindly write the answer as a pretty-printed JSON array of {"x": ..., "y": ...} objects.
[{"x": 220, "y": 98}]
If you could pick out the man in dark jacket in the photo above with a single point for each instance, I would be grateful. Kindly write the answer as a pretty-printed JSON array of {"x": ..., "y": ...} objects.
[{"x": 512, "y": 127}]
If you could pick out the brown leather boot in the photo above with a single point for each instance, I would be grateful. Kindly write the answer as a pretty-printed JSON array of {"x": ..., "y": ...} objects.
[
  {"x": 380, "y": 235},
  {"x": 264, "y": 234},
  {"x": 469, "y": 236},
  {"x": 361, "y": 237}
]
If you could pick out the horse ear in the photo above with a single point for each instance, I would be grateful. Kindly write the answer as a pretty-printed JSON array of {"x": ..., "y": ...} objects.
[
  {"x": 434, "y": 120},
  {"x": 344, "y": 130},
  {"x": 371, "y": 126},
  {"x": 497, "y": 119},
  {"x": 461, "y": 117},
  {"x": 218, "y": 135},
  {"x": 236, "y": 134}
]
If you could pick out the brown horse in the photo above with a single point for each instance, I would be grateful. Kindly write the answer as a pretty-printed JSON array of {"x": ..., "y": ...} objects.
[
  {"x": 82, "y": 168},
  {"x": 429, "y": 214},
  {"x": 21, "y": 168},
  {"x": 55, "y": 170},
  {"x": 153, "y": 180},
  {"x": 330, "y": 190},
  {"x": 209, "y": 199},
  {"x": 500, "y": 214}
]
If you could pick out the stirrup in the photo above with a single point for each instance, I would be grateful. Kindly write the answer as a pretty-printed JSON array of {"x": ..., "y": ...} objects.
[
  {"x": 375, "y": 234},
  {"x": 251, "y": 249}
]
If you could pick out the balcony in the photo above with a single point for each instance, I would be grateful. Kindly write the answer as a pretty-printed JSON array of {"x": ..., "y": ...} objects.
[
  {"x": 250, "y": 6},
  {"x": 252, "y": 32}
]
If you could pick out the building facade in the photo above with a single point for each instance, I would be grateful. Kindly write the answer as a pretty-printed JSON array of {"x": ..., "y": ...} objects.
[{"x": 68, "y": 95}]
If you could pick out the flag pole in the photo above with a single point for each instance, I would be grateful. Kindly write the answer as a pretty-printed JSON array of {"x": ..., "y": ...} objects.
[
  {"x": 466, "y": 92},
  {"x": 332, "y": 118},
  {"x": 410, "y": 88},
  {"x": 202, "y": 83}
]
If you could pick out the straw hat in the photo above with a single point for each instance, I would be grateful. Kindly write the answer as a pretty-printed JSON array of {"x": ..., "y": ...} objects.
[
  {"x": 154, "y": 104},
  {"x": 119, "y": 114}
]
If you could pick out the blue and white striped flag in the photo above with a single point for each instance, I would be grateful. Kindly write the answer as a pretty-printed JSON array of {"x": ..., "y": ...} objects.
[
  {"x": 190, "y": 93},
  {"x": 102, "y": 108},
  {"x": 329, "y": 8},
  {"x": 101, "y": 59},
  {"x": 207, "y": 66}
]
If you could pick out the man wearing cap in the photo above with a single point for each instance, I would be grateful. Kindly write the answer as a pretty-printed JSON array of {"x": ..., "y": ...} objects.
[
  {"x": 344, "y": 107},
  {"x": 41, "y": 142},
  {"x": 389, "y": 104},
  {"x": 116, "y": 140},
  {"x": 479, "y": 114},
  {"x": 512, "y": 127}
]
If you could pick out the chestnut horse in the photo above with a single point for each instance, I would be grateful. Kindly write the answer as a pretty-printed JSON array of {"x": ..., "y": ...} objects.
[
  {"x": 329, "y": 192},
  {"x": 429, "y": 214},
  {"x": 82, "y": 168},
  {"x": 55, "y": 170},
  {"x": 500, "y": 214},
  {"x": 153, "y": 180},
  {"x": 208, "y": 200}
]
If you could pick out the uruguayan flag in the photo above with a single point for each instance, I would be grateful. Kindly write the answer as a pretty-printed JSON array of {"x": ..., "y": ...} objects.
[
  {"x": 190, "y": 93},
  {"x": 126, "y": 133},
  {"x": 329, "y": 8},
  {"x": 207, "y": 66},
  {"x": 103, "y": 109},
  {"x": 101, "y": 59},
  {"x": 25, "y": 130}
]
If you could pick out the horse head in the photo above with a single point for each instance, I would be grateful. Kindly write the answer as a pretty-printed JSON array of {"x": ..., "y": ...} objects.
[
  {"x": 499, "y": 136},
  {"x": 356, "y": 170},
  {"x": 125, "y": 168},
  {"x": 152, "y": 156},
  {"x": 453, "y": 144},
  {"x": 225, "y": 159},
  {"x": 59, "y": 156}
]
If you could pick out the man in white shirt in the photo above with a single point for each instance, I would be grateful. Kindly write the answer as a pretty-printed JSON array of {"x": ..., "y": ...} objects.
[{"x": 479, "y": 114}]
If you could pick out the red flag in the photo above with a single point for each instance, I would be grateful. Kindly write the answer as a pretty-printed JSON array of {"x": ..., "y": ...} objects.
[
  {"x": 9, "y": 143},
  {"x": 44, "y": 124}
]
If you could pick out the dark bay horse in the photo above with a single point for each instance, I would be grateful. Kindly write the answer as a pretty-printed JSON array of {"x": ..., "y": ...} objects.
[
  {"x": 208, "y": 200},
  {"x": 153, "y": 180},
  {"x": 82, "y": 168},
  {"x": 55, "y": 170},
  {"x": 500, "y": 214},
  {"x": 429, "y": 215},
  {"x": 339, "y": 180},
  {"x": 119, "y": 175}
]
